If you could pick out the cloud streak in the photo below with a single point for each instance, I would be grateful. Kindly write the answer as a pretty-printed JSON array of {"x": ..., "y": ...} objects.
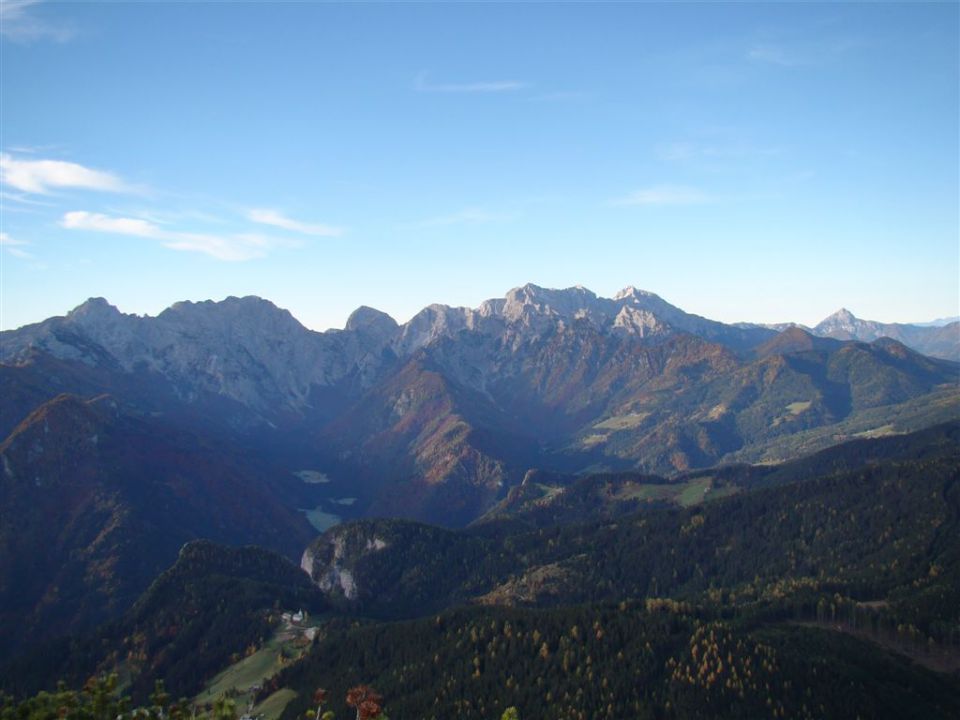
[
  {"x": 685, "y": 151},
  {"x": 773, "y": 55},
  {"x": 15, "y": 247},
  {"x": 422, "y": 84},
  {"x": 41, "y": 177},
  {"x": 274, "y": 218},
  {"x": 19, "y": 23},
  {"x": 820, "y": 52},
  {"x": 659, "y": 195},
  {"x": 231, "y": 248},
  {"x": 7, "y": 241},
  {"x": 468, "y": 215}
]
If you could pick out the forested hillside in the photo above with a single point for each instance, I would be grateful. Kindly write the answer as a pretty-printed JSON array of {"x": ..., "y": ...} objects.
[
  {"x": 657, "y": 659},
  {"x": 829, "y": 587}
]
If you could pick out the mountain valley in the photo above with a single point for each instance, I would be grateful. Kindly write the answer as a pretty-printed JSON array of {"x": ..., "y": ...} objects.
[
  {"x": 536, "y": 462},
  {"x": 829, "y": 573}
]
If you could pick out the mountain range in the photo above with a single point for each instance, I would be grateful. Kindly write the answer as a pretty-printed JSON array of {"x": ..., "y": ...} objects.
[
  {"x": 436, "y": 418},
  {"x": 937, "y": 338},
  {"x": 127, "y": 436}
]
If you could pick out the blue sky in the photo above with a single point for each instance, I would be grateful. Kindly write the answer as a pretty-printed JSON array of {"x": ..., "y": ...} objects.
[{"x": 764, "y": 162}]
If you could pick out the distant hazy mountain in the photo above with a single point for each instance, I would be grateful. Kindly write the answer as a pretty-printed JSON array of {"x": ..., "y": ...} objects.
[
  {"x": 936, "y": 339},
  {"x": 939, "y": 322},
  {"x": 939, "y": 338}
]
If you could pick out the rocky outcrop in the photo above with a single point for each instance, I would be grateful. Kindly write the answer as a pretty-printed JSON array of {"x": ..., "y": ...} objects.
[{"x": 331, "y": 560}]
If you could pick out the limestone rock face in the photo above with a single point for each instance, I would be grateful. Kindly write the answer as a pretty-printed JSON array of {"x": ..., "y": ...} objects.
[
  {"x": 251, "y": 352},
  {"x": 245, "y": 349},
  {"x": 332, "y": 559},
  {"x": 373, "y": 324},
  {"x": 642, "y": 323}
]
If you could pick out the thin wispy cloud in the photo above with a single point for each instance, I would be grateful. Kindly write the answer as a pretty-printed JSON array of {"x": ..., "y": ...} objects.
[
  {"x": 33, "y": 149},
  {"x": 42, "y": 177},
  {"x": 237, "y": 247},
  {"x": 774, "y": 55},
  {"x": 422, "y": 84},
  {"x": 274, "y": 218},
  {"x": 7, "y": 241},
  {"x": 665, "y": 195},
  {"x": 20, "y": 253},
  {"x": 20, "y": 22},
  {"x": 166, "y": 216},
  {"x": 24, "y": 179},
  {"x": 677, "y": 151},
  {"x": 686, "y": 151},
  {"x": 822, "y": 51},
  {"x": 14, "y": 247},
  {"x": 466, "y": 216},
  {"x": 21, "y": 199},
  {"x": 560, "y": 96}
]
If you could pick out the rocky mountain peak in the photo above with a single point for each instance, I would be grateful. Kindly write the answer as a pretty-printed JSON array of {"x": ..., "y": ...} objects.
[
  {"x": 94, "y": 310},
  {"x": 244, "y": 311},
  {"x": 841, "y": 319},
  {"x": 571, "y": 302},
  {"x": 653, "y": 305},
  {"x": 632, "y": 293},
  {"x": 371, "y": 320},
  {"x": 92, "y": 333},
  {"x": 432, "y": 322}
]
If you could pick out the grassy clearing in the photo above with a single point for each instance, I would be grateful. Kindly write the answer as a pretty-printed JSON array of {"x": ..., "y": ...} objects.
[
  {"x": 648, "y": 492},
  {"x": 273, "y": 706},
  {"x": 795, "y": 408},
  {"x": 255, "y": 669},
  {"x": 623, "y": 422},
  {"x": 694, "y": 492},
  {"x": 877, "y": 432},
  {"x": 251, "y": 670},
  {"x": 685, "y": 494}
]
